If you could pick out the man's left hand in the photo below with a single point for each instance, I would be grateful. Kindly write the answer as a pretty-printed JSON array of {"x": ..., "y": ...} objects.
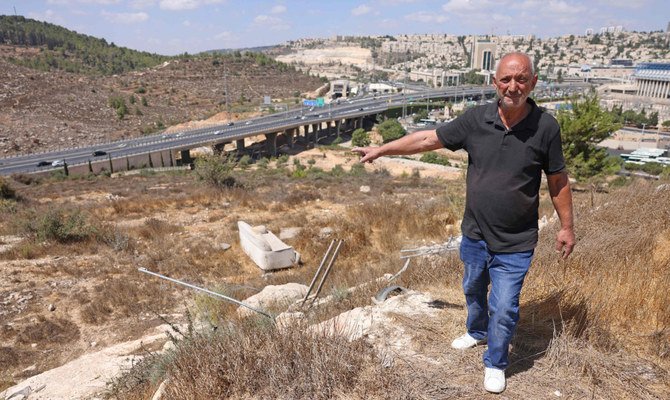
[{"x": 565, "y": 242}]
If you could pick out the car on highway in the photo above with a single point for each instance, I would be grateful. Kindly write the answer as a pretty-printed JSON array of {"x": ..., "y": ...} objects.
[
  {"x": 247, "y": 123},
  {"x": 99, "y": 153},
  {"x": 218, "y": 132},
  {"x": 231, "y": 123},
  {"x": 43, "y": 163},
  {"x": 58, "y": 163}
]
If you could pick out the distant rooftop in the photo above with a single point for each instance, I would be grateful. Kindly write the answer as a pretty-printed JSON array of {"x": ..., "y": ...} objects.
[{"x": 655, "y": 71}]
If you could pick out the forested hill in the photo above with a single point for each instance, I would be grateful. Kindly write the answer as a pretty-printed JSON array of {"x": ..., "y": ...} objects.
[{"x": 63, "y": 49}]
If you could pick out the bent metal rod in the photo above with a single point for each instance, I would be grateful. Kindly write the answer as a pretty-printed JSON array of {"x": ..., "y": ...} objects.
[{"x": 219, "y": 295}]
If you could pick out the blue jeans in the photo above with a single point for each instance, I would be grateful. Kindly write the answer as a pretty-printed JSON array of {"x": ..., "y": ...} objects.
[{"x": 497, "y": 319}]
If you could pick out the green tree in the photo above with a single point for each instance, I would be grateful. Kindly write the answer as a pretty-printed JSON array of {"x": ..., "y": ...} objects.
[
  {"x": 391, "y": 130},
  {"x": 360, "y": 138},
  {"x": 581, "y": 129},
  {"x": 423, "y": 114}
]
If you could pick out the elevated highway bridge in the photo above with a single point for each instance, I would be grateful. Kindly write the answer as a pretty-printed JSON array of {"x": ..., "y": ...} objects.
[{"x": 168, "y": 149}]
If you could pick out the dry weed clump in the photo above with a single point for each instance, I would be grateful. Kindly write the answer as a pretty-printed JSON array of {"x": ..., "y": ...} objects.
[
  {"x": 256, "y": 360},
  {"x": 49, "y": 330},
  {"x": 613, "y": 289}
]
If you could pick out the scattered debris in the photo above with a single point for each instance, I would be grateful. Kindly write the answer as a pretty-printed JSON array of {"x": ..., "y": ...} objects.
[
  {"x": 450, "y": 245},
  {"x": 383, "y": 294},
  {"x": 332, "y": 257},
  {"x": 266, "y": 249},
  {"x": 211, "y": 293}
]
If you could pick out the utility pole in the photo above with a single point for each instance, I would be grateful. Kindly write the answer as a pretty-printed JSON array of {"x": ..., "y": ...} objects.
[{"x": 225, "y": 86}]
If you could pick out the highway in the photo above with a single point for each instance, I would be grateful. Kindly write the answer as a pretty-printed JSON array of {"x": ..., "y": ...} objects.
[{"x": 273, "y": 123}]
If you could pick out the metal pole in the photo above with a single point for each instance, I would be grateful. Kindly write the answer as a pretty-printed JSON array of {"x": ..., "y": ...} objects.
[
  {"x": 330, "y": 265},
  {"x": 230, "y": 299},
  {"x": 318, "y": 271}
]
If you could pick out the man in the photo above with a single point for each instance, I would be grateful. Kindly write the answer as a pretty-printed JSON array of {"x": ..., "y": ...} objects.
[{"x": 509, "y": 144}]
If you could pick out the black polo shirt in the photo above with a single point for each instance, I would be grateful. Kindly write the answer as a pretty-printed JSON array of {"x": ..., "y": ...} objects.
[{"x": 504, "y": 173}]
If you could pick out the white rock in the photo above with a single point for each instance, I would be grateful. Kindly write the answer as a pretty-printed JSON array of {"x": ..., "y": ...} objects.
[
  {"x": 289, "y": 233},
  {"x": 273, "y": 296},
  {"x": 286, "y": 320},
  {"x": 51, "y": 307},
  {"x": 364, "y": 189},
  {"x": 160, "y": 391},
  {"x": 379, "y": 325},
  {"x": 325, "y": 232}
]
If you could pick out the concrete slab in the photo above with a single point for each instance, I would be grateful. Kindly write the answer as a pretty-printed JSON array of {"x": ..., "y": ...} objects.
[{"x": 266, "y": 249}]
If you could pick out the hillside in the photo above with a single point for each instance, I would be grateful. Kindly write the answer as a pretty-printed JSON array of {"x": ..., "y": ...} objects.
[
  {"x": 590, "y": 328},
  {"x": 66, "y": 50},
  {"x": 43, "y": 111}
]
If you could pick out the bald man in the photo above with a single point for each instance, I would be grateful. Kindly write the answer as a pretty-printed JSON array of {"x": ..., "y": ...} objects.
[{"x": 509, "y": 144}]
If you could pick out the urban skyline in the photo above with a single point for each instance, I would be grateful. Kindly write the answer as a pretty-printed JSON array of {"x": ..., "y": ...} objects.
[{"x": 176, "y": 26}]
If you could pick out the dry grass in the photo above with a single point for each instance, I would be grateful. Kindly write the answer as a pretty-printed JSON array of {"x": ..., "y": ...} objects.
[
  {"x": 591, "y": 326},
  {"x": 255, "y": 360},
  {"x": 613, "y": 289}
]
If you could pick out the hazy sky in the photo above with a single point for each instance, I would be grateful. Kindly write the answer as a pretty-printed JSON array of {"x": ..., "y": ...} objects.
[{"x": 175, "y": 26}]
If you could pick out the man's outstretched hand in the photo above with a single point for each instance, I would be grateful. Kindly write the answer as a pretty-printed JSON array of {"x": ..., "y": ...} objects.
[
  {"x": 565, "y": 242},
  {"x": 368, "y": 154}
]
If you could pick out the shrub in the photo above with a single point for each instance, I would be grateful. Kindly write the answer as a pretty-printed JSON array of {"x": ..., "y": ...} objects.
[
  {"x": 119, "y": 104},
  {"x": 63, "y": 226},
  {"x": 244, "y": 161},
  {"x": 391, "y": 130},
  {"x": 6, "y": 191},
  {"x": 434, "y": 158},
  {"x": 216, "y": 170},
  {"x": 282, "y": 160},
  {"x": 357, "y": 169},
  {"x": 263, "y": 163},
  {"x": 360, "y": 138}
]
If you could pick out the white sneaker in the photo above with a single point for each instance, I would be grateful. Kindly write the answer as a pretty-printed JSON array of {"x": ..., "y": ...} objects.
[
  {"x": 465, "y": 342},
  {"x": 494, "y": 380}
]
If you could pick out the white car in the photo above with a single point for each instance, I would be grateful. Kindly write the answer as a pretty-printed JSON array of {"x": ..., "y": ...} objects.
[{"x": 58, "y": 163}]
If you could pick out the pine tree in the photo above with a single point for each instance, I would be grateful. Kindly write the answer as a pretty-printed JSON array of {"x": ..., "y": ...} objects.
[{"x": 581, "y": 129}]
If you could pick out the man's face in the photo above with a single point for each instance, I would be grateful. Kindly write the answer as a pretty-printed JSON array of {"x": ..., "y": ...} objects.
[{"x": 514, "y": 82}]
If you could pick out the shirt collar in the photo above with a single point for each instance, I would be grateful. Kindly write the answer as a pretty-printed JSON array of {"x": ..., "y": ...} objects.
[{"x": 491, "y": 114}]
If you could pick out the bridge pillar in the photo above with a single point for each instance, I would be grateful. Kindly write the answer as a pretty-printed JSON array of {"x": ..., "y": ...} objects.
[
  {"x": 239, "y": 144},
  {"x": 315, "y": 133},
  {"x": 185, "y": 157},
  {"x": 359, "y": 123},
  {"x": 271, "y": 144},
  {"x": 338, "y": 125},
  {"x": 290, "y": 137}
]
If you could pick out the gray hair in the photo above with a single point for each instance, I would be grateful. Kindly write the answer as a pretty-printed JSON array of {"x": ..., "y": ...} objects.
[{"x": 517, "y": 53}]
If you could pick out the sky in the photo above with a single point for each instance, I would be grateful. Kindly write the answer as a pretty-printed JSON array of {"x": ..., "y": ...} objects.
[{"x": 171, "y": 27}]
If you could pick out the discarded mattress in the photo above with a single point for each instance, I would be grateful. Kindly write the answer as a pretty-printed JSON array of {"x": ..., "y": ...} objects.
[{"x": 266, "y": 249}]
